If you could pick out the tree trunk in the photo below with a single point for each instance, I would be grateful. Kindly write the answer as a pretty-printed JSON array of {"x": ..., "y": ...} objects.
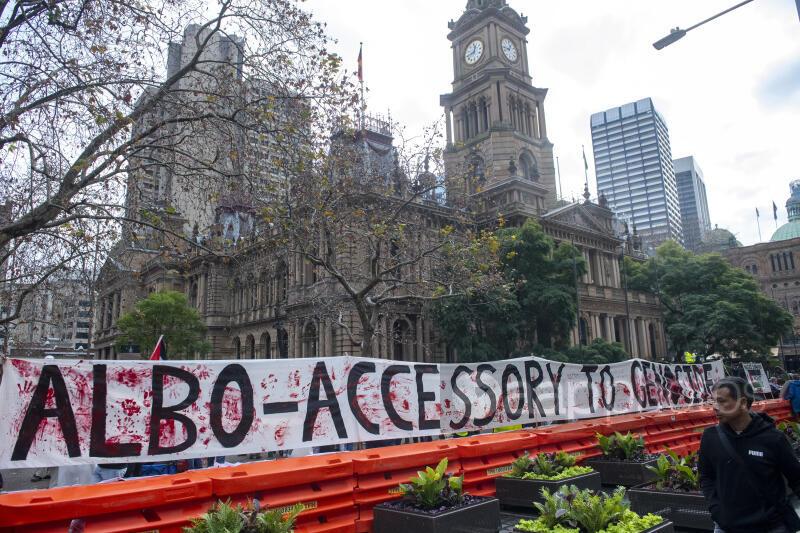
[{"x": 367, "y": 328}]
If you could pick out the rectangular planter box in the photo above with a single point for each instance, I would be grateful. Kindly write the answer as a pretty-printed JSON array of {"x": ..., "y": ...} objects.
[
  {"x": 664, "y": 527},
  {"x": 481, "y": 517},
  {"x": 684, "y": 509},
  {"x": 523, "y": 493},
  {"x": 622, "y": 473}
]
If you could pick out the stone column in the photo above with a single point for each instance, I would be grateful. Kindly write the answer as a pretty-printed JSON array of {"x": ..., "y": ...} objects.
[
  {"x": 322, "y": 338},
  {"x": 598, "y": 329},
  {"x": 420, "y": 341},
  {"x": 542, "y": 121},
  {"x": 635, "y": 339},
  {"x": 385, "y": 341},
  {"x": 448, "y": 117},
  {"x": 294, "y": 347}
]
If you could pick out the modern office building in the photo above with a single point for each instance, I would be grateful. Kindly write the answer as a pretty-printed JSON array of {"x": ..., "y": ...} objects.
[
  {"x": 694, "y": 205},
  {"x": 633, "y": 165}
]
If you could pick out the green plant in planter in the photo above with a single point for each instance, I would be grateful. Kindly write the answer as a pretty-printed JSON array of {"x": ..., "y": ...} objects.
[
  {"x": 621, "y": 447},
  {"x": 676, "y": 473},
  {"x": 792, "y": 432},
  {"x": 548, "y": 467},
  {"x": 434, "y": 488},
  {"x": 224, "y": 518},
  {"x": 570, "y": 510}
]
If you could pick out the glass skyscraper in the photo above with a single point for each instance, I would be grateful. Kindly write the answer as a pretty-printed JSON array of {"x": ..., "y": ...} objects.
[
  {"x": 694, "y": 205},
  {"x": 633, "y": 164}
]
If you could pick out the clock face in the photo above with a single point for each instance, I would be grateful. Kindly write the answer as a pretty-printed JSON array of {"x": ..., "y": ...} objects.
[
  {"x": 509, "y": 50},
  {"x": 474, "y": 52}
]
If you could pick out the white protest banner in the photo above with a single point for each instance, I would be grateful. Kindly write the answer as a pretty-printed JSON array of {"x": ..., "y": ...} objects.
[
  {"x": 78, "y": 412},
  {"x": 757, "y": 377}
]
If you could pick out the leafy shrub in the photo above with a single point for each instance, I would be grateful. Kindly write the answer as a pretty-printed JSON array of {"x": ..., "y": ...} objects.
[
  {"x": 434, "y": 488},
  {"x": 676, "y": 473},
  {"x": 224, "y": 518},
  {"x": 547, "y": 466},
  {"x": 570, "y": 510},
  {"x": 622, "y": 447},
  {"x": 792, "y": 432}
]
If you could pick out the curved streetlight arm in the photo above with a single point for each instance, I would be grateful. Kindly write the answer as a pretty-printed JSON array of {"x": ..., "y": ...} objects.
[{"x": 678, "y": 33}]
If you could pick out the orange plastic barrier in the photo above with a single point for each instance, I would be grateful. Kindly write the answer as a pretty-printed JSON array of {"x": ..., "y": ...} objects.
[
  {"x": 380, "y": 471},
  {"x": 485, "y": 457},
  {"x": 323, "y": 484},
  {"x": 64, "y": 503},
  {"x": 338, "y": 491},
  {"x": 167, "y": 519}
]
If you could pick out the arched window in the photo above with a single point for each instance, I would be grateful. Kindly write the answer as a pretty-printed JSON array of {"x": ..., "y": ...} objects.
[
  {"x": 528, "y": 166},
  {"x": 266, "y": 346},
  {"x": 250, "y": 347},
  {"x": 652, "y": 335},
  {"x": 528, "y": 130},
  {"x": 484, "y": 113},
  {"x": 475, "y": 168},
  {"x": 583, "y": 332},
  {"x": 473, "y": 109},
  {"x": 193, "y": 291},
  {"x": 283, "y": 343},
  {"x": 310, "y": 340},
  {"x": 237, "y": 348},
  {"x": 402, "y": 341},
  {"x": 282, "y": 279}
]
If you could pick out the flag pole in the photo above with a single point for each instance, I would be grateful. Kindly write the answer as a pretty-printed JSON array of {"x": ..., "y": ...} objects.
[
  {"x": 585, "y": 167},
  {"x": 775, "y": 207},
  {"x": 560, "y": 190},
  {"x": 758, "y": 223}
]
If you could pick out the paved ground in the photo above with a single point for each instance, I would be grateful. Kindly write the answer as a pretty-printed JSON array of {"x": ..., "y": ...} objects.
[{"x": 20, "y": 479}]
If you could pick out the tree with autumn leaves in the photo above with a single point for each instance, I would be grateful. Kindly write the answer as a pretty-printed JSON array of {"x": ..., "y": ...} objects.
[{"x": 85, "y": 104}]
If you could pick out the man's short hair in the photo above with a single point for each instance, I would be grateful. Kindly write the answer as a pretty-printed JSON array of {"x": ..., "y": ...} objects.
[{"x": 738, "y": 387}]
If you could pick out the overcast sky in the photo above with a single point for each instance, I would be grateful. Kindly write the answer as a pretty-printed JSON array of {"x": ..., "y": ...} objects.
[{"x": 729, "y": 91}]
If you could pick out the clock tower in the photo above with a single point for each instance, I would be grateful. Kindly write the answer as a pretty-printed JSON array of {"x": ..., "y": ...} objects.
[{"x": 498, "y": 157}]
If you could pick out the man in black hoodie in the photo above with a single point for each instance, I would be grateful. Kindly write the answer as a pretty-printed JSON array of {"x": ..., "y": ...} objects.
[{"x": 746, "y": 493}]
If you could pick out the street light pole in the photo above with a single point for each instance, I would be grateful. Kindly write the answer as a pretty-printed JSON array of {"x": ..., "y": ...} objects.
[
  {"x": 627, "y": 305},
  {"x": 676, "y": 33},
  {"x": 577, "y": 294}
]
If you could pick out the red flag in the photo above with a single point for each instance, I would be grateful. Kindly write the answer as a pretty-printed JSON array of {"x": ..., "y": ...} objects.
[
  {"x": 160, "y": 351},
  {"x": 360, "y": 63}
]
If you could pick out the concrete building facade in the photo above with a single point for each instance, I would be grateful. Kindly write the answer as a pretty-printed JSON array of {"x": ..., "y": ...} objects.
[
  {"x": 259, "y": 302},
  {"x": 695, "y": 219},
  {"x": 633, "y": 163},
  {"x": 776, "y": 267}
]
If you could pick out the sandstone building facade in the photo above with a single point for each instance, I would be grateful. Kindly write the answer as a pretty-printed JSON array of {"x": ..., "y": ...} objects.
[
  {"x": 776, "y": 267},
  {"x": 260, "y": 303}
]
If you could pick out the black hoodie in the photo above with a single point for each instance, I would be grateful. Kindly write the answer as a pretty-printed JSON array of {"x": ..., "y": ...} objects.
[{"x": 731, "y": 498}]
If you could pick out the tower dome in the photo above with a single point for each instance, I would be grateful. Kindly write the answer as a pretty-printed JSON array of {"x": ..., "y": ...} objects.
[
  {"x": 718, "y": 240},
  {"x": 791, "y": 229}
]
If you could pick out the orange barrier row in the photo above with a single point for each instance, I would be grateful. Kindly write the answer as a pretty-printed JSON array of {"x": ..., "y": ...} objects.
[
  {"x": 337, "y": 491},
  {"x": 379, "y": 472}
]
